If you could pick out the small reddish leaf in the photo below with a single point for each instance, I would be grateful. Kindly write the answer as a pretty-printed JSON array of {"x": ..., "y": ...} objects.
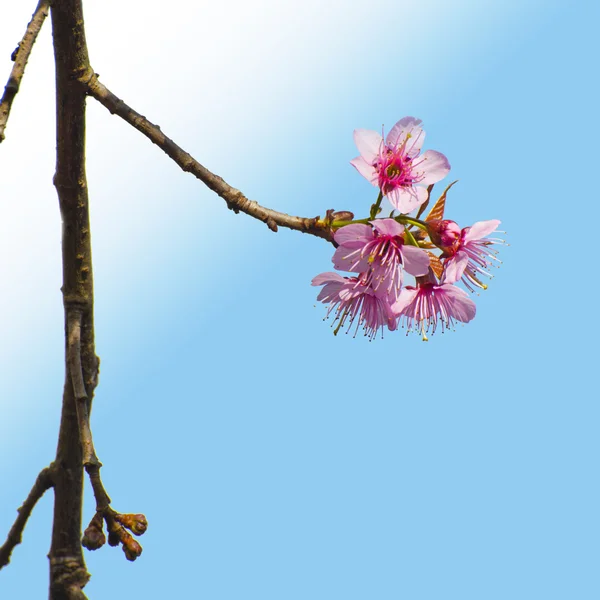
[
  {"x": 436, "y": 265},
  {"x": 437, "y": 212}
]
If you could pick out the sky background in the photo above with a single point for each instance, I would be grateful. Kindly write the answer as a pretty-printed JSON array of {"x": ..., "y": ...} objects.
[{"x": 272, "y": 459}]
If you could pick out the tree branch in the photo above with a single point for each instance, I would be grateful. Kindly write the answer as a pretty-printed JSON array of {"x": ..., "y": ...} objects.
[
  {"x": 116, "y": 523},
  {"x": 235, "y": 200},
  {"x": 20, "y": 57},
  {"x": 42, "y": 483},
  {"x": 68, "y": 573},
  {"x": 74, "y": 319}
]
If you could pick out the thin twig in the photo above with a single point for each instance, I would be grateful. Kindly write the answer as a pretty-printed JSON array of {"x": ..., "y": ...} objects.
[
  {"x": 20, "y": 56},
  {"x": 42, "y": 483},
  {"x": 102, "y": 498},
  {"x": 116, "y": 523},
  {"x": 235, "y": 200},
  {"x": 74, "y": 318}
]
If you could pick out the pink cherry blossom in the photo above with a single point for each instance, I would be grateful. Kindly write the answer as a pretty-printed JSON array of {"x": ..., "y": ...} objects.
[
  {"x": 428, "y": 305},
  {"x": 396, "y": 166},
  {"x": 378, "y": 250},
  {"x": 471, "y": 255},
  {"x": 445, "y": 234},
  {"x": 353, "y": 299}
]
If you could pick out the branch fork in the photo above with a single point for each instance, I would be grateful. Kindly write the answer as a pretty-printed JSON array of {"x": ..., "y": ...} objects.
[{"x": 117, "y": 524}]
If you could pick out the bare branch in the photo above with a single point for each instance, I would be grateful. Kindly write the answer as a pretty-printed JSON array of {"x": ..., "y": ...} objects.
[
  {"x": 68, "y": 573},
  {"x": 74, "y": 319},
  {"x": 42, "y": 483},
  {"x": 20, "y": 57},
  {"x": 235, "y": 200},
  {"x": 117, "y": 523}
]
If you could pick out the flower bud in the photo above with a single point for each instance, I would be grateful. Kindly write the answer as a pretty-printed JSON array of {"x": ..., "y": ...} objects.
[
  {"x": 445, "y": 234},
  {"x": 137, "y": 524},
  {"x": 93, "y": 537},
  {"x": 342, "y": 215},
  {"x": 114, "y": 539},
  {"x": 131, "y": 548}
]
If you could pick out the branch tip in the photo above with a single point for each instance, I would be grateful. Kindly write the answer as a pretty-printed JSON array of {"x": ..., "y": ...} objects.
[
  {"x": 43, "y": 482},
  {"x": 20, "y": 56}
]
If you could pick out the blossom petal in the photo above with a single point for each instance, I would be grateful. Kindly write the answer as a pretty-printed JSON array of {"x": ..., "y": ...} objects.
[
  {"x": 328, "y": 277},
  {"x": 353, "y": 236},
  {"x": 433, "y": 166},
  {"x": 480, "y": 230},
  {"x": 463, "y": 308},
  {"x": 354, "y": 289},
  {"x": 392, "y": 319},
  {"x": 349, "y": 259},
  {"x": 387, "y": 227},
  {"x": 365, "y": 169},
  {"x": 331, "y": 290},
  {"x": 368, "y": 143},
  {"x": 455, "y": 267},
  {"x": 415, "y": 260},
  {"x": 399, "y": 132},
  {"x": 407, "y": 295},
  {"x": 407, "y": 199}
]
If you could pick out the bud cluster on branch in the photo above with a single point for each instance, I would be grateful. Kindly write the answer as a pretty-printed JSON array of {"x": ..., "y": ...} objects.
[{"x": 117, "y": 524}]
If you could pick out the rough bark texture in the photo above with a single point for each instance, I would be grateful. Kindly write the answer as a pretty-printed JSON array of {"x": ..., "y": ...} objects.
[{"x": 68, "y": 574}]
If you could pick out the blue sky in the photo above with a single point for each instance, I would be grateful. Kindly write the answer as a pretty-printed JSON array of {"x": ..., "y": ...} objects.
[{"x": 272, "y": 459}]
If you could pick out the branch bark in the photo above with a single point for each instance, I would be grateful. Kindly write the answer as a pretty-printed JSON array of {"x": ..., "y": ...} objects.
[
  {"x": 68, "y": 573},
  {"x": 235, "y": 200},
  {"x": 75, "y": 370},
  {"x": 20, "y": 57},
  {"x": 42, "y": 483}
]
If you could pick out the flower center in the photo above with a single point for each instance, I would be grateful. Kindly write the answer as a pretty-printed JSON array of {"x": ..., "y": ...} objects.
[
  {"x": 394, "y": 169},
  {"x": 384, "y": 249}
]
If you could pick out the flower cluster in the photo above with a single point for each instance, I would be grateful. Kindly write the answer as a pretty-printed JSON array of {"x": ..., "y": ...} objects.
[{"x": 379, "y": 251}]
